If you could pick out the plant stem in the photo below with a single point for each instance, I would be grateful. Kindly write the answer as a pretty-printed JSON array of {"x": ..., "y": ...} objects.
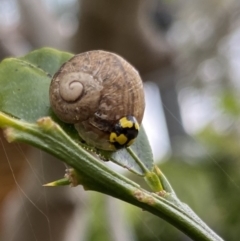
[
  {"x": 141, "y": 164},
  {"x": 95, "y": 175}
]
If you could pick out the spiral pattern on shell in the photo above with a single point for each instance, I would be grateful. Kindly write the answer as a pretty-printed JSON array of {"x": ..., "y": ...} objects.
[{"x": 93, "y": 90}]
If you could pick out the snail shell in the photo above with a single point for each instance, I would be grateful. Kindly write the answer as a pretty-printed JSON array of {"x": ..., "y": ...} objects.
[{"x": 102, "y": 95}]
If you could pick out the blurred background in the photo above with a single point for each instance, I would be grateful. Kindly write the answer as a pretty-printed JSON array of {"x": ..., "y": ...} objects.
[{"x": 188, "y": 54}]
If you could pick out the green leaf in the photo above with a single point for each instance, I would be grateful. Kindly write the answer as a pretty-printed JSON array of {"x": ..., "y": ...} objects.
[
  {"x": 24, "y": 94},
  {"x": 47, "y": 59},
  {"x": 25, "y": 83}
]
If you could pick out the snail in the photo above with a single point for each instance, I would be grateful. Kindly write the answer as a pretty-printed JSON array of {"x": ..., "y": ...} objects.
[{"x": 102, "y": 95}]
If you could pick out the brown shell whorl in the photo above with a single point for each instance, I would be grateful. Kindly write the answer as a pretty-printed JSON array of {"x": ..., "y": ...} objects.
[
  {"x": 74, "y": 96},
  {"x": 71, "y": 88}
]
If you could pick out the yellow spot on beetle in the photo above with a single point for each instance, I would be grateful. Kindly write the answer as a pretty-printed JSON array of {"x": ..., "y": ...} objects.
[
  {"x": 125, "y": 123},
  {"x": 121, "y": 139}
]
